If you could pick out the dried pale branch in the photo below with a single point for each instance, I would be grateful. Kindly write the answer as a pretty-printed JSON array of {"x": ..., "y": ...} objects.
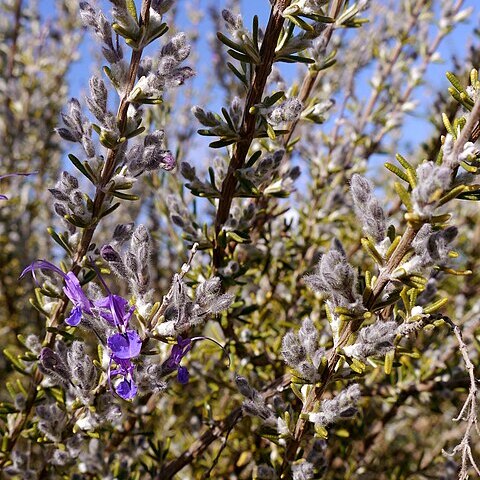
[{"x": 468, "y": 413}]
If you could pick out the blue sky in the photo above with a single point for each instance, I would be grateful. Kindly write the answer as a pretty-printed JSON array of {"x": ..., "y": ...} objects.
[{"x": 416, "y": 129}]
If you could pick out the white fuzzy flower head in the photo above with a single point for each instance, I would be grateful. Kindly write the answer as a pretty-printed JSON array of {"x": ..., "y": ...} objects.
[{"x": 433, "y": 179}]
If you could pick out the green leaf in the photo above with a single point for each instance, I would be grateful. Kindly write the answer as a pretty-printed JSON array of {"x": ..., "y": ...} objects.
[
  {"x": 453, "y": 193},
  {"x": 394, "y": 169},
  {"x": 157, "y": 33},
  {"x": 319, "y": 18},
  {"x": 404, "y": 195},
  {"x": 321, "y": 432},
  {"x": 389, "y": 357},
  {"x": 223, "y": 142},
  {"x": 435, "y": 306},
  {"x": 270, "y": 132},
  {"x": 228, "y": 119},
  {"x": 272, "y": 100},
  {"x": 240, "y": 56},
  {"x": 125, "y": 196},
  {"x": 77, "y": 221},
  {"x": 370, "y": 248},
  {"x": 455, "y": 82},
  {"x": 241, "y": 76},
  {"x": 59, "y": 239},
  {"x": 109, "y": 210},
  {"x": 255, "y": 31},
  {"x": 237, "y": 236},
  {"x": 325, "y": 65},
  {"x": 448, "y": 126},
  {"x": 14, "y": 360},
  {"x": 230, "y": 43},
  {"x": 299, "y": 22},
  {"x": 81, "y": 167},
  {"x": 403, "y": 162},
  {"x": 205, "y": 132},
  {"x": 472, "y": 196},
  {"x": 135, "y": 132},
  {"x": 297, "y": 59},
  {"x": 251, "y": 161},
  {"x": 455, "y": 94},
  {"x": 132, "y": 9},
  {"x": 111, "y": 77},
  {"x": 211, "y": 173}
]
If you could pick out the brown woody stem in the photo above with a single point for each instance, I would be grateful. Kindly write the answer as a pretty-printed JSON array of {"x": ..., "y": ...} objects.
[{"x": 249, "y": 121}]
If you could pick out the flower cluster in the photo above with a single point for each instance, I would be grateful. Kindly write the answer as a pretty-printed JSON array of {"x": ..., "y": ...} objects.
[
  {"x": 302, "y": 352},
  {"x": 123, "y": 342}
]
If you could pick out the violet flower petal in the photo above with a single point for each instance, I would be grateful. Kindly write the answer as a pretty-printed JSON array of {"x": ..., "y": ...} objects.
[
  {"x": 179, "y": 350},
  {"x": 41, "y": 265},
  {"x": 74, "y": 292},
  {"x": 125, "y": 345},
  {"x": 175, "y": 357},
  {"x": 117, "y": 314},
  {"x": 126, "y": 389},
  {"x": 183, "y": 375},
  {"x": 184, "y": 342},
  {"x": 75, "y": 316},
  {"x": 125, "y": 366}
]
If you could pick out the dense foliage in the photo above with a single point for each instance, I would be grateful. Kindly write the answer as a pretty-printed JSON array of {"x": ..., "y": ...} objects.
[{"x": 275, "y": 303}]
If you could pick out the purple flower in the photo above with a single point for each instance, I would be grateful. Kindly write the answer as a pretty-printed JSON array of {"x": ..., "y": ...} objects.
[
  {"x": 168, "y": 162},
  {"x": 183, "y": 375},
  {"x": 126, "y": 388},
  {"x": 179, "y": 350},
  {"x": 4, "y": 197},
  {"x": 41, "y": 265},
  {"x": 75, "y": 317},
  {"x": 125, "y": 345},
  {"x": 72, "y": 289},
  {"x": 114, "y": 310},
  {"x": 81, "y": 302}
]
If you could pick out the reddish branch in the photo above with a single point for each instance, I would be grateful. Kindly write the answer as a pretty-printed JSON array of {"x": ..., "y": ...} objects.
[{"x": 249, "y": 121}]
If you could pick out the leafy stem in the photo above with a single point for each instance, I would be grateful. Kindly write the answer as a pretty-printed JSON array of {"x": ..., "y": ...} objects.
[
  {"x": 101, "y": 197},
  {"x": 409, "y": 235},
  {"x": 248, "y": 124}
]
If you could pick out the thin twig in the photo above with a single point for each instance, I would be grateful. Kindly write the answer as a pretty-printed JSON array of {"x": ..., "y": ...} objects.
[
  {"x": 468, "y": 413},
  {"x": 219, "y": 453}
]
